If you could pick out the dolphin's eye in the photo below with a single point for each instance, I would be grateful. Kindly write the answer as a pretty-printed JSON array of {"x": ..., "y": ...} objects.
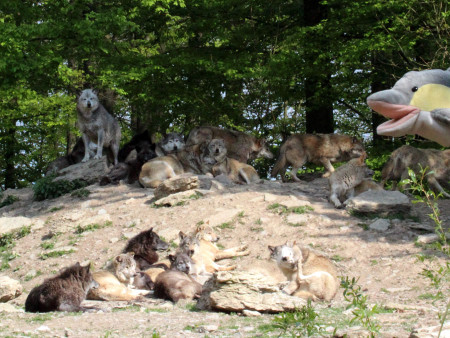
[{"x": 414, "y": 89}]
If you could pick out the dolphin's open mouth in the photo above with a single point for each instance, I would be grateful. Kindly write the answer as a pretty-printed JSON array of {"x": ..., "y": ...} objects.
[
  {"x": 392, "y": 111},
  {"x": 398, "y": 113}
]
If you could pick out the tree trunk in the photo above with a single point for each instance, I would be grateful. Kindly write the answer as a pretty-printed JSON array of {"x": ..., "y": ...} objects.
[{"x": 318, "y": 98}]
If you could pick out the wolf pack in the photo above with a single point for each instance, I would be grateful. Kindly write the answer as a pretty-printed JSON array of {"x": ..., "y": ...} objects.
[{"x": 139, "y": 272}]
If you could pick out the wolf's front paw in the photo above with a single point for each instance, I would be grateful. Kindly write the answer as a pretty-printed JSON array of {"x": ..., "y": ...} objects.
[
  {"x": 282, "y": 285},
  {"x": 85, "y": 159},
  {"x": 96, "y": 157}
]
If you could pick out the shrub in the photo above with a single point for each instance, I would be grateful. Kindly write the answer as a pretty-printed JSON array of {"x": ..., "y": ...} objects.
[
  {"x": 8, "y": 200},
  {"x": 46, "y": 187}
]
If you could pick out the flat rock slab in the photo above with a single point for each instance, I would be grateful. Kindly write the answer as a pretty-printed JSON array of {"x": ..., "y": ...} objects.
[
  {"x": 237, "y": 291},
  {"x": 381, "y": 202},
  {"x": 178, "y": 198},
  {"x": 11, "y": 224},
  {"x": 91, "y": 171},
  {"x": 9, "y": 289},
  {"x": 176, "y": 184}
]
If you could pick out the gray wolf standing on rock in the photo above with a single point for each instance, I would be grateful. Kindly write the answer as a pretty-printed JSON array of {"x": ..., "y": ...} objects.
[
  {"x": 64, "y": 292},
  {"x": 240, "y": 146},
  {"x": 437, "y": 162},
  {"x": 343, "y": 181},
  {"x": 310, "y": 274},
  {"x": 97, "y": 125},
  {"x": 319, "y": 149}
]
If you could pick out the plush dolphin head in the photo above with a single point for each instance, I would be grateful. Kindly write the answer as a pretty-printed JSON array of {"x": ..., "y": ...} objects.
[{"x": 419, "y": 103}]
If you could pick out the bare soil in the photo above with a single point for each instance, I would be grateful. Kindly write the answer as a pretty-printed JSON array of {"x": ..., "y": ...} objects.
[{"x": 385, "y": 262}]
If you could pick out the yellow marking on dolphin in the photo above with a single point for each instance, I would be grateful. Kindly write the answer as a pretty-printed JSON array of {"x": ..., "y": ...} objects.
[{"x": 431, "y": 96}]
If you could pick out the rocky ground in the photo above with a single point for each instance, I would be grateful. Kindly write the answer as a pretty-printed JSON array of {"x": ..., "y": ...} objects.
[{"x": 95, "y": 228}]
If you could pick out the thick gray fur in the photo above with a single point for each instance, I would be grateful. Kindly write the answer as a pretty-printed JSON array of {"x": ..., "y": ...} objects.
[{"x": 97, "y": 125}]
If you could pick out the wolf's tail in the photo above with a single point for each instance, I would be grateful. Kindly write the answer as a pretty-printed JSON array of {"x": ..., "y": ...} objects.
[{"x": 280, "y": 164}]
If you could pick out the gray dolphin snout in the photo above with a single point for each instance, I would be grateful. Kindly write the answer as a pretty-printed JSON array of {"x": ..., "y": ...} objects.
[{"x": 389, "y": 96}]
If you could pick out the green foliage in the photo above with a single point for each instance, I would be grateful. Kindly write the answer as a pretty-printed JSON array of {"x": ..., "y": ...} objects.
[
  {"x": 362, "y": 312},
  {"x": 56, "y": 253},
  {"x": 9, "y": 200},
  {"x": 281, "y": 209},
  {"x": 7, "y": 243},
  {"x": 300, "y": 323},
  {"x": 81, "y": 193},
  {"x": 91, "y": 227},
  {"x": 440, "y": 275},
  {"x": 46, "y": 187}
]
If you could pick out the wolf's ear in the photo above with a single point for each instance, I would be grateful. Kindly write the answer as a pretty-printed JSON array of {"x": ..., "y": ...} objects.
[
  {"x": 289, "y": 244},
  {"x": 182, "y": 235},
  {"x": 172, "y": 258},
  {"x": 131, "y": 254},
  {"x": 271, "y": 248},
  {"x": 355, "y": 140},
  {"x": 150, "y": 230},
  {"x": 118, "y": 259}
]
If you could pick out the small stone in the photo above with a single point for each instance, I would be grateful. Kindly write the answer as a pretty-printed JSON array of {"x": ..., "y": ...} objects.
[
  {"x": 427, "y": 239},
  {"x": 9, "y": 288},
  {"x": 102, "y": 212},
  {"x": 250, "y": 313},
  {"x": 380, "y": 225},
  {"x": 43, "y": 328},
  {"x": 113, "y": 240},
  {"x": 210, "y": 328}
]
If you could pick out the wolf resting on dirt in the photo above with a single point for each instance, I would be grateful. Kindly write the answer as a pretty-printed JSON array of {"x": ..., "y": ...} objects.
[
  {"x": 176, "y": 283},
  {"x": 205, "y": 252},
  {"x": 170, "y": 143},
  {"x": 310, "y": 274},
  {"x": 97, "y": 126},
  {"x": 240, "y": 146},
  {"x": 162, "y": 168},
  {"x": 319, "y": 149},
  {"x": 118, "y": 283},
  {"x": 64, "y": 292},
  {"x": 215, "y": 161},
  {"x": 144, "y": 246}
]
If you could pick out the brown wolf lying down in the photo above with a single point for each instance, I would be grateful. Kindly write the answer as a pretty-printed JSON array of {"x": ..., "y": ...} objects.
[
  {"x": 64, "y": 292},
  {"x": 310, "y": 274},
  {"x": 205, "y": 252},
  {"x": 240, "y": 146},
  {"x": 319, "y": 149},
  {"x": 117, "y": 284},
  {"x": 176, "y": 283},
  {"x": 437, "y": 162},
  {"x": 162, "y": 168}
]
